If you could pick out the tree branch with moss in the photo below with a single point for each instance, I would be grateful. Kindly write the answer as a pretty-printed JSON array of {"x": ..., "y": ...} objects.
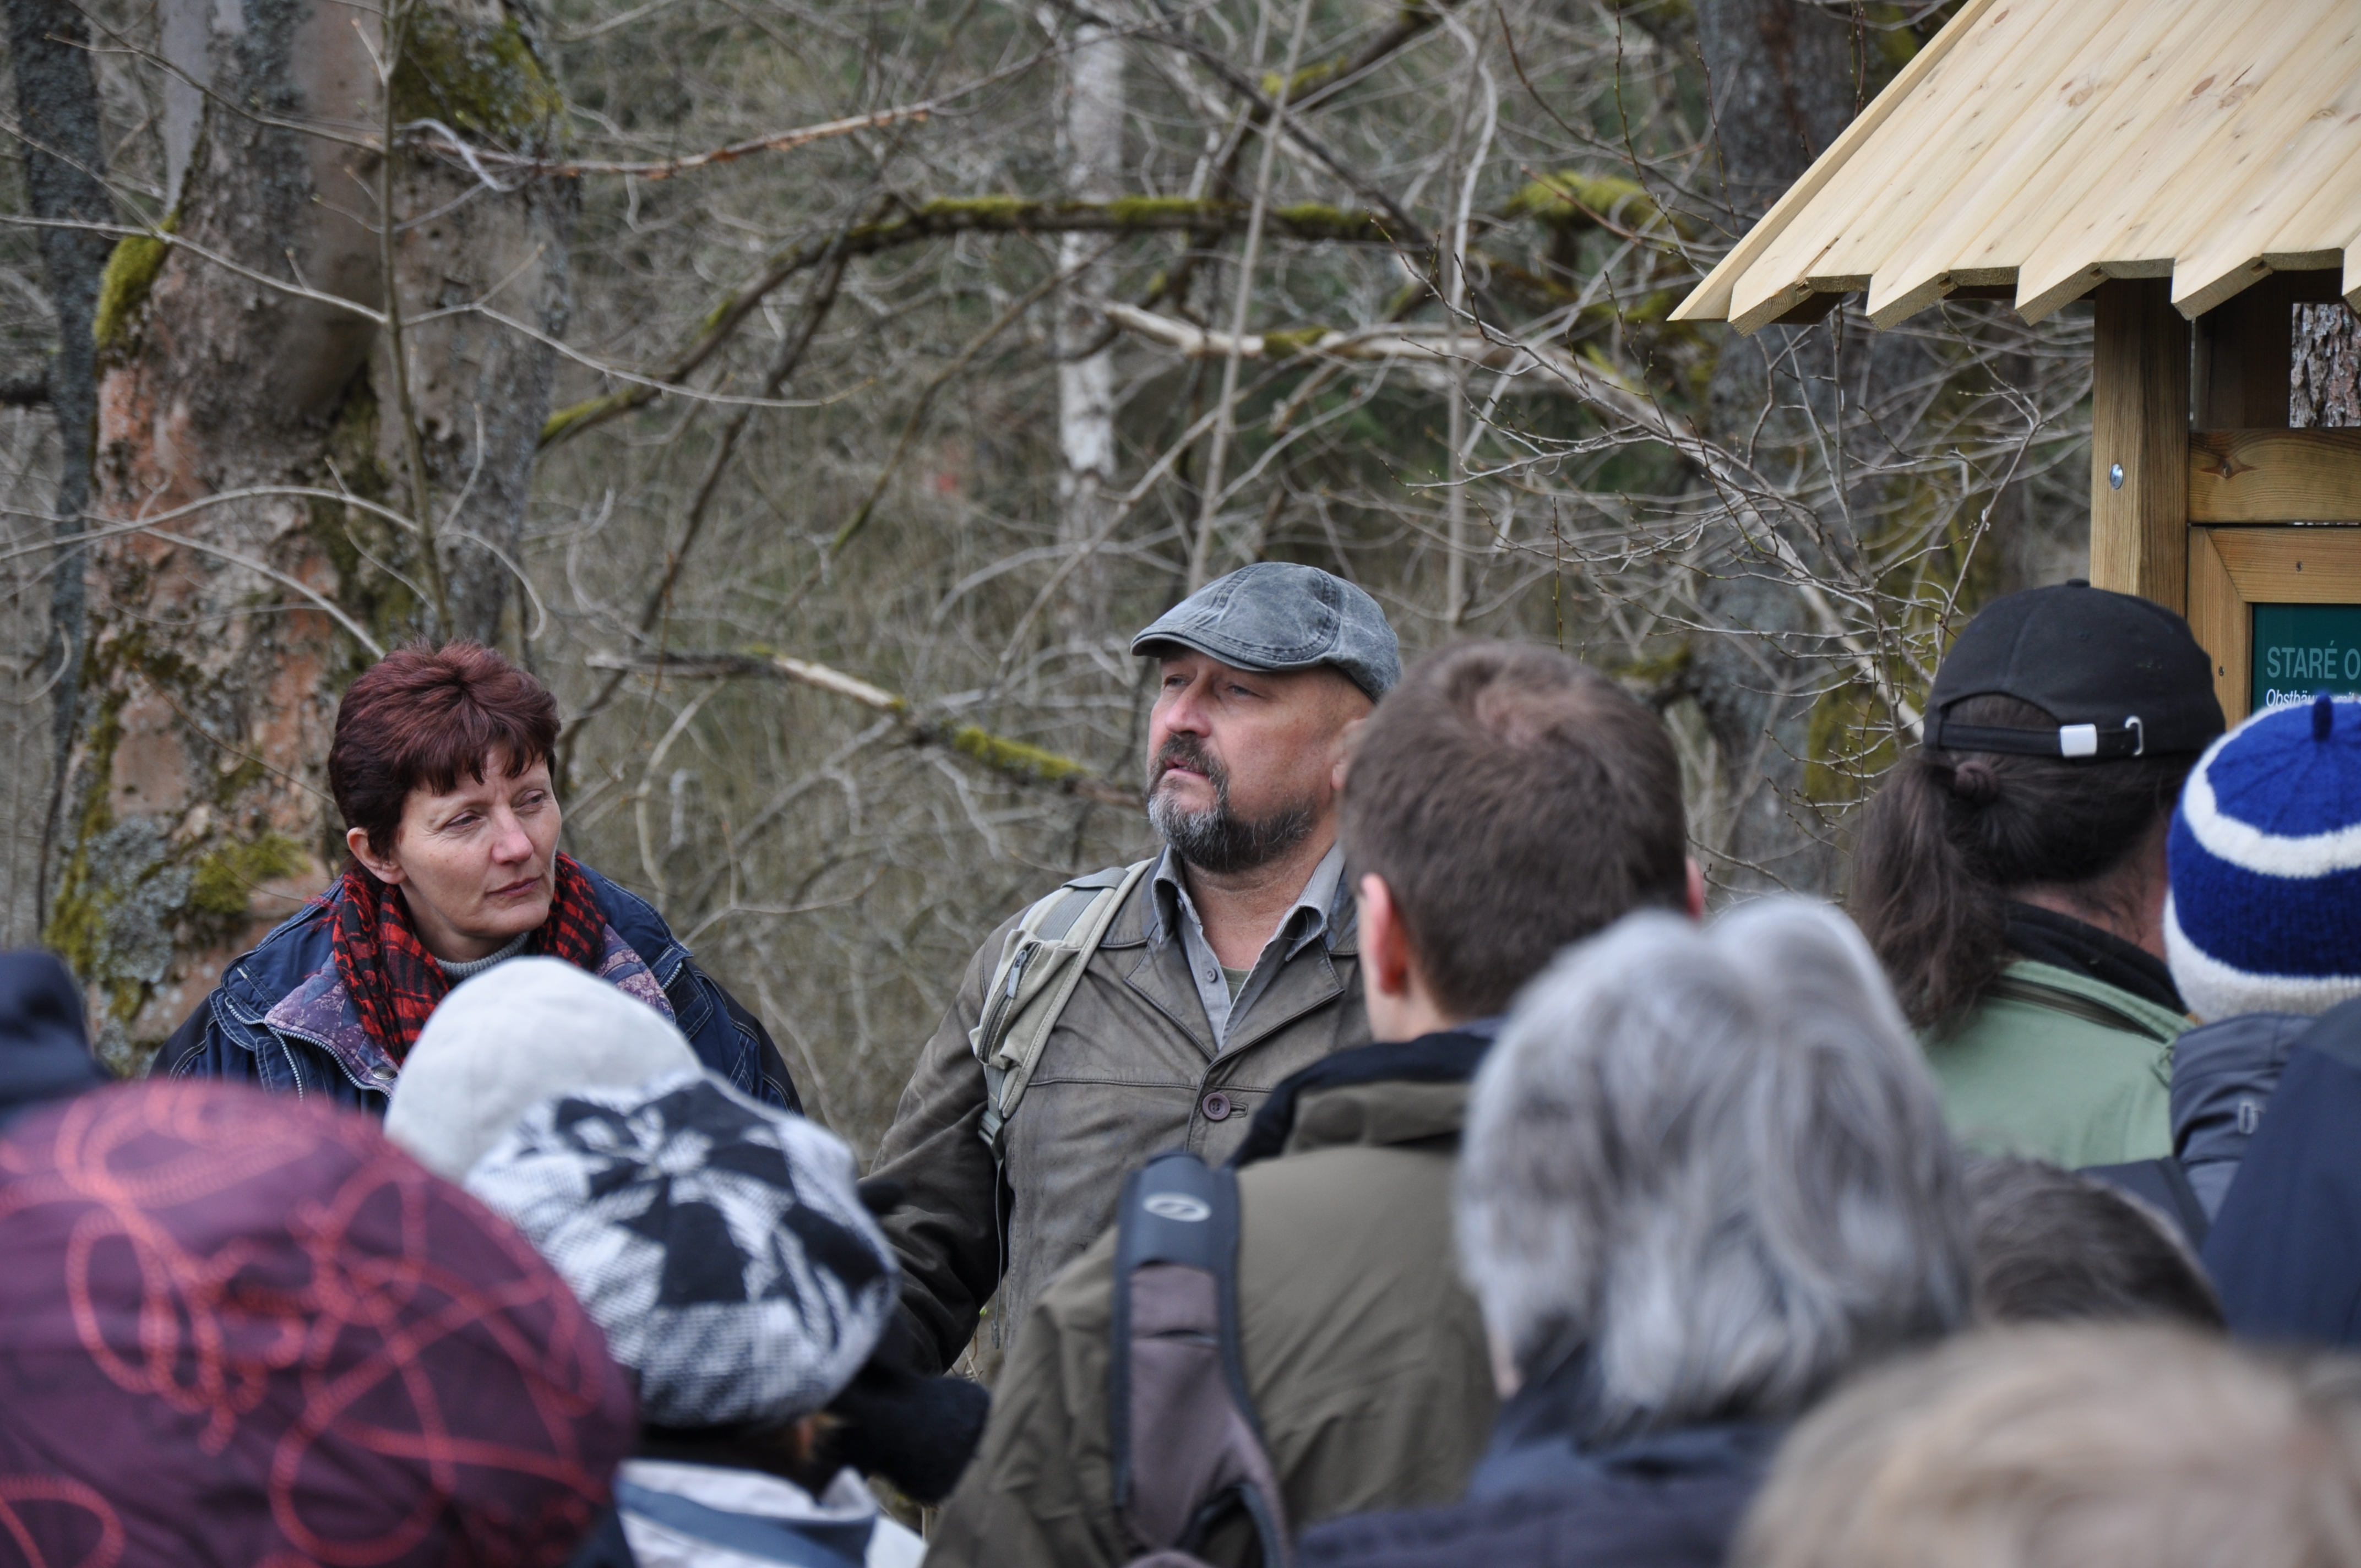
[{"x": 1018, "y": 760}]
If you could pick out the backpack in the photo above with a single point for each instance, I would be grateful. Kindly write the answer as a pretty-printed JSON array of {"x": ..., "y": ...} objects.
[
  {"x": 1186, "y": 1446},
  {"x": 1041, "y": 964}
]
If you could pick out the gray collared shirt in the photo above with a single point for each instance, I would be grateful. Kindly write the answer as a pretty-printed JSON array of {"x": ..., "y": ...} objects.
[{"x": 1311, "y": 918}]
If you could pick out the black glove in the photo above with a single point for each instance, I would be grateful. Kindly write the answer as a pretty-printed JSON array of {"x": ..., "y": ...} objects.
[{"x": 914, "y": 1431}]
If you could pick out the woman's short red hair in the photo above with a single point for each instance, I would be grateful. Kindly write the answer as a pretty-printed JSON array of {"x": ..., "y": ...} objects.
[{"x": 423, "y": 716}]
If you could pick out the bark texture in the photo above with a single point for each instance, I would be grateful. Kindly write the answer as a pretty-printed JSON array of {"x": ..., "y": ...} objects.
[
  {"x": 2327, "y": 383},
  {"x": 57, "y": 118},
  {"x": 1782, "y": 82},
  {"x": 1785, "y": 80},
  {"x": 222, "y": 635},
  {"x": 480, "y": 390}
]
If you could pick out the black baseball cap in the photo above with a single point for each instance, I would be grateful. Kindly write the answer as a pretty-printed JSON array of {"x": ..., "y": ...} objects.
[{"x": 2122, "y": 675}]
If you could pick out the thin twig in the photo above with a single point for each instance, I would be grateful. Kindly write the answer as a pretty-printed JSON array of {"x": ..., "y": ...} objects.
[{"x": 1201, "y": 548}]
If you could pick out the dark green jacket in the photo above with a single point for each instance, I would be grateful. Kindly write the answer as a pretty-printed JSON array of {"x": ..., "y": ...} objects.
[{"x": 1364, "y": 1357}]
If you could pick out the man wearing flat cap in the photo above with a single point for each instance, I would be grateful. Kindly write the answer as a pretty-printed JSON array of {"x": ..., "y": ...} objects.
[{"x": 1149, "y": 1008}]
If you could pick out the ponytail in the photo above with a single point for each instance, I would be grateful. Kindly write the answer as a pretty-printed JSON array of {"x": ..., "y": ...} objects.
[{"x": 1949, "y": 836}]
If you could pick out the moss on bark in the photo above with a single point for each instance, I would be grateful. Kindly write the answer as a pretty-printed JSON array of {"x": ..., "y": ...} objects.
[
  {"x": 1004, "y": 755},
  {"x": 480, "y": 80},
  {"x": 122, "y": 287},
  {"x": 369, "y": 552},
  {"x": 134, "y": 892},
  {"x": 221, "y": 880}
]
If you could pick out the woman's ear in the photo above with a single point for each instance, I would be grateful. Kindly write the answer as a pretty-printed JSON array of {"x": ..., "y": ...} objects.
[{"x": 386, "y": 871}]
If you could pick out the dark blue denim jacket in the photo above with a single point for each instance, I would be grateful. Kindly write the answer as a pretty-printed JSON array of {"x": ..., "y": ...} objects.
[{"x": 282, "y": 1017}]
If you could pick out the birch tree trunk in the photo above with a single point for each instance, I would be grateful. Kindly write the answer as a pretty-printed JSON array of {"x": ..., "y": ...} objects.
[
  {"x": 251, "y": 355},
  {"x": 1089, "y": 146}
]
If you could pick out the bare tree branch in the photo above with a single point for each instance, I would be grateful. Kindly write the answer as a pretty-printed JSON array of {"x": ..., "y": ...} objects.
[
  {"x": 938, "y": 219},
  {"x": 1018, "y": 760}
]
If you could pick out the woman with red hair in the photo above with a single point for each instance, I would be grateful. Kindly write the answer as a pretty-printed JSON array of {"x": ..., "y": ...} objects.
[{"x": 440, "y": 768}]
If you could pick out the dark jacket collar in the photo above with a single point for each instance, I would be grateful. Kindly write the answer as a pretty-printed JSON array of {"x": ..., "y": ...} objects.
[
  {"x": 1535, "y": 1447},
  {"x": 1449, "y": 1057},
  {"x": 2049, "y": 938}
]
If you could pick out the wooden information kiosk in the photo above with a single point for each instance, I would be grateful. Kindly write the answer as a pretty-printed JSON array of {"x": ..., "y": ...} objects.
[{"x": 2195, "y": 166}]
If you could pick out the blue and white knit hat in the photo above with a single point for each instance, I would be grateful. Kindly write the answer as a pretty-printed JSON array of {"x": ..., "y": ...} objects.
[{"x": 2264, "y": 912}]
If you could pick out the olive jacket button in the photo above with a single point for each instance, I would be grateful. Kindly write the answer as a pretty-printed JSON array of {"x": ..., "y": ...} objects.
[{"x": 1216, "y": 1107}]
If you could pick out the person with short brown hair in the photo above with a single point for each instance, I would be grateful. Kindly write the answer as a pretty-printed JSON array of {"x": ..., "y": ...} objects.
[
  {"x": 1704, "y": 1178},
  {"x": 1516, "y": 801},
  {"x": 2072, "y": 1447},
  {"x": 441, "y": 769},
  {"x": 1501, "y": 803}
]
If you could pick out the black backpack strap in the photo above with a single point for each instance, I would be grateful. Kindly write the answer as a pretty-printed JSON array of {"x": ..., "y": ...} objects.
[
  {"x": 1186, "y": 1445},
  {"x": 2164, "y": 1185}
]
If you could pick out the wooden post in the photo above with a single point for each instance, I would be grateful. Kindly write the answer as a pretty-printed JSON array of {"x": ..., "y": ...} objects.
[
  {"x": 2245, "y": 346},
  {"x": 2139, "y": 443}
]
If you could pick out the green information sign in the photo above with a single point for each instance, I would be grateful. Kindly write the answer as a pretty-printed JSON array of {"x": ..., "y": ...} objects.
[{"x": 2300, "y": 649}]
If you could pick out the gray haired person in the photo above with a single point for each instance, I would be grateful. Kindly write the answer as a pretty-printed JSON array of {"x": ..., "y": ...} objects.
[
  {"x": 1706, "y": 1176},
  {"x": 1171, "y": 996}
]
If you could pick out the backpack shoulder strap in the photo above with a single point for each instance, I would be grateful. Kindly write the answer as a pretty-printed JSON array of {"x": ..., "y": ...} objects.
[
  {"x": 1186, "y": 1446},
  {"x": 2162, "y": 1184},
  {"x": 1039, "y": 967}
]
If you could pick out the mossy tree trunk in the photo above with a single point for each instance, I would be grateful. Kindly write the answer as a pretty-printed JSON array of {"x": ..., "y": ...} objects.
[
  {"x": 253, "y": 352},
  {"x": 1786, "y": 78},
  {"x": 56, "y": 119}
]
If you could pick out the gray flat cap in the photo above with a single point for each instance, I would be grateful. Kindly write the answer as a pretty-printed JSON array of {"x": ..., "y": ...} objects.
[{"x": 1276, "y": 616}]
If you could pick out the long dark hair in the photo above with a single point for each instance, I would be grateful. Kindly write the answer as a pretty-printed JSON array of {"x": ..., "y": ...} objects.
[{"x": 1951, "y": 833}]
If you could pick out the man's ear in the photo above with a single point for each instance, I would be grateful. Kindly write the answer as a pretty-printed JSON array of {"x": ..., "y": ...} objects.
[
  {"x": 1697, "y": 890},
  {"x": 1384, "y": 941},
  {"x": 387, "y": 871},
  {"x": 1346, "y": 739}
]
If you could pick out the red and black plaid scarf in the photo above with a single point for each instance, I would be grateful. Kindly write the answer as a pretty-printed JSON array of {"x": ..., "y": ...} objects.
[{"x": 395, "y": 982}]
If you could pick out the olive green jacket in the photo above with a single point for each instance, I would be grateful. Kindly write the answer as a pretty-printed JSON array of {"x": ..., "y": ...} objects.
[
  {"x": 1129, "y": 1071},
  {"x": 2061, "y": 1067},
  {"x": 1364, "y": 1354}
]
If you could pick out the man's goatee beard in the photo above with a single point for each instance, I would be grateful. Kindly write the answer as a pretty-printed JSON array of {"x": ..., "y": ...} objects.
[{"x": 1218, "y": 839}]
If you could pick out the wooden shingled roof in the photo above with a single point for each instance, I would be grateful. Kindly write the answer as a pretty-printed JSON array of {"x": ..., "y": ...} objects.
[{"x": 2044, "y": 145}]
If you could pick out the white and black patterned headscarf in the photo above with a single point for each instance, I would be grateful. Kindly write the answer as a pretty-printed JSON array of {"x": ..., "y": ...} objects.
[{"x": 719, "y": 1242}]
